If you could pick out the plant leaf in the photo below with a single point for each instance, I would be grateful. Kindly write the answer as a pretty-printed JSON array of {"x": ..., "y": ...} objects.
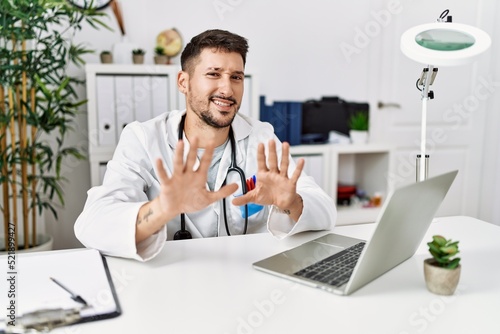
[{"x": 441, "y": 241}]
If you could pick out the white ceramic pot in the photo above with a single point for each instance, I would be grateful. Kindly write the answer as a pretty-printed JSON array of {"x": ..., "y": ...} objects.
[
  {"x": 440, "y": 280},
  {"x": 358, "y": 137}
]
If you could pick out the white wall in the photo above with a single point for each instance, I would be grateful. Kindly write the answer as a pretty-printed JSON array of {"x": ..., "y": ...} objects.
[
  {"x": 489, "y": 208},
  {"x": 294, "y": 50}
]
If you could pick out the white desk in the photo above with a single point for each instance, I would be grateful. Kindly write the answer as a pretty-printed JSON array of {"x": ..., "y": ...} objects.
[{"x": 209, "y": 286}]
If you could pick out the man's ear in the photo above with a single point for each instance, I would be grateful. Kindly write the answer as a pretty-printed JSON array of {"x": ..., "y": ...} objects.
[{"x": 182, "y": 82}]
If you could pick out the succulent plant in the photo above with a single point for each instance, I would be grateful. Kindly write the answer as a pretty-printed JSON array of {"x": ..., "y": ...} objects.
[
  {"x": 443, "y": 251},
  {"x": 138, "y": 51},
  {"x": 359, "y": 121},
  {"x": 160, "y": 51}
]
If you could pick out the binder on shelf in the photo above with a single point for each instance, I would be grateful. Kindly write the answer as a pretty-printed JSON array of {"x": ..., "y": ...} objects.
[
  {"x": 279, "y": 120},
  {"x": 124, "y": 102},
  {"x": 294, "y": 123},
  {"x": 264, "y": 109},
  {"x": 142, "y": 98},
  {"x": 159, "y": 94},
  {"x": 106, "y": 118},
  {"x": 285, "y": 117}
]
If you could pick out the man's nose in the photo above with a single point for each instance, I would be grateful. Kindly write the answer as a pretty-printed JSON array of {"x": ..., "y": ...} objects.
[{"x": 225, "y": 87}]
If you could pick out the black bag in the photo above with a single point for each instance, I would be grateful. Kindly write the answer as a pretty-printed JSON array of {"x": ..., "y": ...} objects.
[{"x": 319, "y": 117}]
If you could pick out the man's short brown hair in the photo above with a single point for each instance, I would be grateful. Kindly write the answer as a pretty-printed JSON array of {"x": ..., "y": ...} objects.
[{"x": 220, "y": 40}]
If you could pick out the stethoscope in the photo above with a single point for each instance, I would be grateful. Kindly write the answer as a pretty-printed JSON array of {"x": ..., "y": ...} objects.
[{"x": 185, "y": 234}]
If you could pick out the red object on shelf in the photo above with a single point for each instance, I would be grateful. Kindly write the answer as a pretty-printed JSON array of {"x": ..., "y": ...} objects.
[
  {"x": 344, "y": 194},
  {"x": 341, "y": 189}
]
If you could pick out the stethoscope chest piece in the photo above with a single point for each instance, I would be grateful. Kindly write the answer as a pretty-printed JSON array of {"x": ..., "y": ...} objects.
[{"x": 181, "y": 235}]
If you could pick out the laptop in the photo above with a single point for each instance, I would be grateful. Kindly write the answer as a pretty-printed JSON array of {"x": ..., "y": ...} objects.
[{"x": 341, "y": 264}]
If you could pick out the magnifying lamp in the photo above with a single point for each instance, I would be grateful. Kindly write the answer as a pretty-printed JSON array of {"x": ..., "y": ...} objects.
[{"x": 439, "y": 44}]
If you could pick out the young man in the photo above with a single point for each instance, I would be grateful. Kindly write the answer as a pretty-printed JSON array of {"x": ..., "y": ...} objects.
[{"x": 178, "y": 175}]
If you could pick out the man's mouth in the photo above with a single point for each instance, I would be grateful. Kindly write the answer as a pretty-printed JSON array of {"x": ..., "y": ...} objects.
[{"x": 223, "y": 103}]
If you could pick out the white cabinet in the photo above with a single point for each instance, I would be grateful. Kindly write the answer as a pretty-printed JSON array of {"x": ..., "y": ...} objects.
[
  {"x": 119, "y": 94},
  {"x": 366, "y": 166}
]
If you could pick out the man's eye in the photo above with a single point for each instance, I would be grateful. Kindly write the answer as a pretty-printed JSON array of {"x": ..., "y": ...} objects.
[
  {"x": 212, "y": 74},
  {"x": 238, "y": 77}
]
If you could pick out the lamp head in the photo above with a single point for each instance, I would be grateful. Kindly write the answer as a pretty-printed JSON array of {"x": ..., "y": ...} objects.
[{"x": 444, "y": 43}]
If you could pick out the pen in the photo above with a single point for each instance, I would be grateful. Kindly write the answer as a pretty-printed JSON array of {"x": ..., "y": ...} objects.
[
  {"x": 251, "y": 181},
  {"x": 74, "y": 296}
]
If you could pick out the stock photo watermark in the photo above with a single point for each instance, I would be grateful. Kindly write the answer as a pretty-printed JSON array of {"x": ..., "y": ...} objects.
[
  {"x": 364, "y": 35},
  {"x": 11, "y": 277},
  {"x": 423, "y": 318},
  {"x": 265, "y": 308},
  {"x": 262, "y": 310},
  {"x": 222, "y": 7}
]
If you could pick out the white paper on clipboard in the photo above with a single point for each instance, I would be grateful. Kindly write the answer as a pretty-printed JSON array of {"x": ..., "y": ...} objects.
[{"x": 83, "y": 271}]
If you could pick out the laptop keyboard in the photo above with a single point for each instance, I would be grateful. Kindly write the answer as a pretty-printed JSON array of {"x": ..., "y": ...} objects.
[{"x": 336, "y": 269}]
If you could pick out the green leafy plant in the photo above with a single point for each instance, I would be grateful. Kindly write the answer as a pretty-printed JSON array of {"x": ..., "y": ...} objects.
[
  {"x": 138, "y": 52},
  {"x": 359, "y": 121},
  {"x": 159, "y": 51},
  {"x": 444, "y": 252},
  {"x": 38, "y": 104}
]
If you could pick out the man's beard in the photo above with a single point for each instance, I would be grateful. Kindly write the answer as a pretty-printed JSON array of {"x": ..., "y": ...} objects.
[{"x": 208, "y": 118}]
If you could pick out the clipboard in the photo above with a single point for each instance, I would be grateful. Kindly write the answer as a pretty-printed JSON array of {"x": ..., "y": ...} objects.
[{"x": 84, "y": 271}]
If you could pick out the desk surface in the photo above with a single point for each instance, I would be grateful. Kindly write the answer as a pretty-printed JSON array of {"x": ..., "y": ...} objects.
[{"x": 209, "y": 286}]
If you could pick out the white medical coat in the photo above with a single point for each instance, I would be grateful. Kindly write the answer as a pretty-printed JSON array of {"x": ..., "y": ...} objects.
[{"x": 108, "y": 220}]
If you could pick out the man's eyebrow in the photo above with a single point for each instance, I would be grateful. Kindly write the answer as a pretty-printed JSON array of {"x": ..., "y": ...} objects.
[{"x": 220, "y": 69}]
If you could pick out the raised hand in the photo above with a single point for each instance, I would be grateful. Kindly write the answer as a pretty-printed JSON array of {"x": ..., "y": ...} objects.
[
  {"x": 185, "y": 191},
  {"x": 273, "y": 186}
]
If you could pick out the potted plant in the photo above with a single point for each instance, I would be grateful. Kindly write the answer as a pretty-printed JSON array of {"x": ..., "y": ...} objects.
[
  {"x": 160, "y": 56},
  {"x": 138, "y": 56},
  {"x": 442, "y": 271},
  {"x": 38, "y": 103},
  {"x": 358, "y": 127},
  {"x": 106, "y": 57}
]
